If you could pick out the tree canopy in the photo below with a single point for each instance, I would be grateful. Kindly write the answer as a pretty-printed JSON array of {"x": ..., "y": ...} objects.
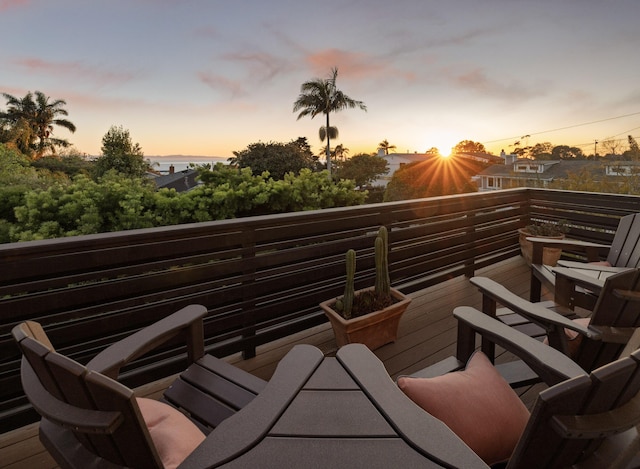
[
  {"x": 363, "y": 169},
  {"x": 119, "y": 153},
  {"x": 433, "y": 177},
  {"x": 469, "y": 146},
  {"x": 277, "y": 159},
  {"x": 28, "y": 123},
  {"x": 565, "y": 152}
]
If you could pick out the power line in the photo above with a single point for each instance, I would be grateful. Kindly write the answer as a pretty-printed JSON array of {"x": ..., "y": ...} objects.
[
  {"x": 624, "y": 133},
  {"x": 565, "y": 128}
]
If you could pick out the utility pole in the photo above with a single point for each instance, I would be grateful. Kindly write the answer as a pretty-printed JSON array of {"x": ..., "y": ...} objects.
[{"x": 595, "y": 150}]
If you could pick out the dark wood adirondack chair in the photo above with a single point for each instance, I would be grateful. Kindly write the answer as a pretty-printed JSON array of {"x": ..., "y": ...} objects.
[
  {"x": 623, "y": 253},
  {"x": 581, "y": 420},
  {"x": 91, "y": 420},
  {"x": 612, "y": 329}
]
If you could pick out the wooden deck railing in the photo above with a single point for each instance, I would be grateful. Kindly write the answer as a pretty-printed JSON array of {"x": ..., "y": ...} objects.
[{"x": 261, "y": 278}]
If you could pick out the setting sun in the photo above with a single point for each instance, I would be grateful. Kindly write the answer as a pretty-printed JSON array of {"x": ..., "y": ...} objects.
[{"x": 443, "y": 140}]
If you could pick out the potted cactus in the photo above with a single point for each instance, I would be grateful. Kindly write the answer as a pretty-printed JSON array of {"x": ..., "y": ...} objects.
[
  {"x": 369, "y": 316},
  {"x": 553, "y": 230}
]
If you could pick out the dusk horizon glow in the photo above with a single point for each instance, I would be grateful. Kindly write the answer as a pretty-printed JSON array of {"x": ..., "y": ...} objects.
[{"x": 208, "y": 78}]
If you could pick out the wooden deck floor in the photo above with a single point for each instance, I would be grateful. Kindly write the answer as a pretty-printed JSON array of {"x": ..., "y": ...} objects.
[{"x": 427, "y": 335}]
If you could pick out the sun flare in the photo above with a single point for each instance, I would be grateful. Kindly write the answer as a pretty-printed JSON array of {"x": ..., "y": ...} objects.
[{"x": 444, "y": 141}]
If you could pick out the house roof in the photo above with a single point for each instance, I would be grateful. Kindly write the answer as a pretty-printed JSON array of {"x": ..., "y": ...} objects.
[
  {"x": 554, "y": 169},
  {"x": 482, "y": 157},
  {"x": 181, "y": 181},
  {"x": 407, "y": 157}
]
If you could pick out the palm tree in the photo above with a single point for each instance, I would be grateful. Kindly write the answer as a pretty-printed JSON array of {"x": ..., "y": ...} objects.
[
  {"x": 321, "y": 96},
  {"x": 36, "y": 119},
  {"x": 384, "y": 145},
  {"x": 339, "y": 152}
]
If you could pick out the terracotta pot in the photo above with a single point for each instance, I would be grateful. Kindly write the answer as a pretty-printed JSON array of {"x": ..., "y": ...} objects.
[
  {"x": 374, "y": 329},
  {"x": 550, "y": 256}
]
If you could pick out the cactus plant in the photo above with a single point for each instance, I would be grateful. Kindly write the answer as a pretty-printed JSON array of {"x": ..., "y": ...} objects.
[
  {"x": 383, "y": 283},
  {"x": 347, "y": 298},
  {"x": 350, "y": 304}
]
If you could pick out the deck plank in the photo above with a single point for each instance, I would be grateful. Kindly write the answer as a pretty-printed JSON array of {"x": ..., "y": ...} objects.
[{"x": 427, "y": 334}]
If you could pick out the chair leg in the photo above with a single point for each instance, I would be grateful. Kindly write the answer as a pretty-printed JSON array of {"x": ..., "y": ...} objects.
[
  {"x": 535, "y": 289},
  {"x": 489, "y": 307},
  {"x": 466, "y": 343},
  {"x": 563, "y": 292}
]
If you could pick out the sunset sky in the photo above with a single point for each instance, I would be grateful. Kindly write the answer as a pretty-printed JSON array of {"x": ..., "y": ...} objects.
[{"x": 207, "y": 77}]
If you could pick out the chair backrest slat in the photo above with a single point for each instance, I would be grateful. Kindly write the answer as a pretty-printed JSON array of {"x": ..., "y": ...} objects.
[
  {"x": 625, "y": 248},
  {"x": 607, "y": 385},
  {"x": 611, "y": 310},
  {"x": 539, "y": 446},
  {"x": 35, "y": 352},
  {"x": 604, "y": 390},
  {"x": 69, "y": 377},
  {"x": 132, "y": 439}
]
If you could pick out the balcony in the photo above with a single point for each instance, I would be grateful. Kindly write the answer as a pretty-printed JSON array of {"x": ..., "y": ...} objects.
[{"x": 262, "y": 278}]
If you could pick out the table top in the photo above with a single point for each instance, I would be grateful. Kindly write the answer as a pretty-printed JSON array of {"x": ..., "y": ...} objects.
[{"x": 342, "y": 411}]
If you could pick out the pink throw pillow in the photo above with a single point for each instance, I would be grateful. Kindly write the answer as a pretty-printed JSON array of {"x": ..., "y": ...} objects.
[
  {"x": 477, "y": 404},
  {"x": 173, "y": 434}
]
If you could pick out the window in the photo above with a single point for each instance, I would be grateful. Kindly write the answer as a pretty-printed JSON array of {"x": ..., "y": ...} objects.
[
  {"x": 619, "y": 170},
  {"x": 494, "y": 183},
  {"x": 529, "y": 168}
]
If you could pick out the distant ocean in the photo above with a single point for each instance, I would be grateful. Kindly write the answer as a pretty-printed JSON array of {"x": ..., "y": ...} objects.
[{"x": 181, "y": 162}]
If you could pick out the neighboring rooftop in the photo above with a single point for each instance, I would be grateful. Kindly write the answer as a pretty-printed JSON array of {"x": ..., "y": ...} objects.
[{"x": 181, "y": 181}]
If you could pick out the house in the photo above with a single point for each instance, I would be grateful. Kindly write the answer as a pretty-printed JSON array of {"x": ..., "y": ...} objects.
[
  {"x": 181, "y": 181},
  {"x": 396, "y": 160},
  {"x": 524, "y": 172}
]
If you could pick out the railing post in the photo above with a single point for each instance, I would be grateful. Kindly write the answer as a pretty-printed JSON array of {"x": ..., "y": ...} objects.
[
  {"x": 470, "y": 261},
  {"x": 248, "y": 295}
]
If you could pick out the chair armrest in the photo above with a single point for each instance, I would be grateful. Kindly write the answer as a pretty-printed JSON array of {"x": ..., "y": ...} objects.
[
  {"x": 187, "y": 320},
  {"x": 549, "y": 364},
  {"x": 592, "y": 250},
  {"x": 594, "y": 266},
  {"x": 577, "y": 278},
  {"x": 542, "y": 316},
  {"x": 566, "y": 242}
]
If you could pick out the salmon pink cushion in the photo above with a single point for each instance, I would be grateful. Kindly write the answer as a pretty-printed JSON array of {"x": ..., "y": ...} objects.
[
  {"x": 574, "y": 338},
  {"x": 173, "y": 434},
  {"x": 477, "y": 404}
]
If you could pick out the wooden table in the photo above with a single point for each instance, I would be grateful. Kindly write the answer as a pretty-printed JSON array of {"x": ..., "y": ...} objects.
[{"x": 332, "y": 412}]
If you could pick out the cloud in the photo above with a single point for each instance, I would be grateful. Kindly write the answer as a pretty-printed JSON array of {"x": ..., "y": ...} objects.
[
  {"x": 6, "y": 5},
  {"x": 220, "y": 83},
  {"x": 73, "y": 69},
  {"x": 353, "y": 65},
  {"x": 476, "y": 80},
  {"x": 261, "y": 66},
  {"x": 252, "y": 69},
  {"x": 207, "y": 32}
]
